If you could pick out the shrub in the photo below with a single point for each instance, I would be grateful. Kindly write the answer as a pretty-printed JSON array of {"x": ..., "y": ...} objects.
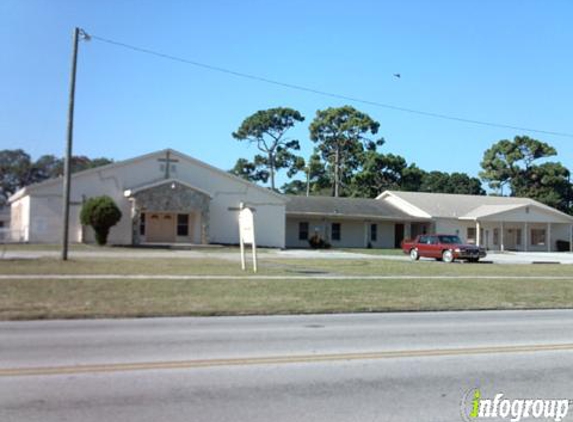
[
  {"x": 317, "y": 242},
  {"x": 101, "y": 213}
]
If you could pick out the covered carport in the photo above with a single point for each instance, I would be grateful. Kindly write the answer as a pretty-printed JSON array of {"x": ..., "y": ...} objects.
[{"x": 521, "y": 227}]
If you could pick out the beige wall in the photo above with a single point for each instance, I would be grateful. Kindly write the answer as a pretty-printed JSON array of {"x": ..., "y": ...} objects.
[
  {"x": 559, "y": 231},
  {"x": 354, "y": 233}
]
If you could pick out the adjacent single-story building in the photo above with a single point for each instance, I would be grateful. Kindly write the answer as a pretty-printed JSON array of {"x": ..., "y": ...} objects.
[
  {"x": 494, "y": 222},
  {"x": 169, "y": 197},
  {"x": 349, "y": 222}
]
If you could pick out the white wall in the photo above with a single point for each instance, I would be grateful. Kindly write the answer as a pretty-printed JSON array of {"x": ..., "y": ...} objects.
[
  {"x": 20, "y": 220},
  {"x": 227, "y": 192}
]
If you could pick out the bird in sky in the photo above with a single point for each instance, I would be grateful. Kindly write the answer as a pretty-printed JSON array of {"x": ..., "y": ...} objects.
[{"x": 397, "y": 75}]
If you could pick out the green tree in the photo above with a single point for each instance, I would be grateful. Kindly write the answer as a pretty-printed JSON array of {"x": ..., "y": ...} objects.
[
  {"x": 15, "y": 172},
  {"x": 253, "y": 171},
  {"x": 412, "y": 178},
  {"x": 266, "y": 129},
  {"x": 379, "y": 172},
  {"x": 514, "y": 164},
  {"x": 101, "y": 213},
  {"x": 18, "y": 170},
  {"x": 507, "y": 161},
  {"x": 340, "y": 134},
  {"x": 458, "y": 183}
]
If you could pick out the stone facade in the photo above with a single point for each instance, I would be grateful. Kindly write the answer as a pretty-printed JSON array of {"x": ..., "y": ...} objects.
[{"x": 171, "y": 197}]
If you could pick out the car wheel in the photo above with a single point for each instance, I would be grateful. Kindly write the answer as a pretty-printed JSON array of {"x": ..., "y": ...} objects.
[
  {"x": 448, "y": 256},
  {"x": 414, "y": 255}
]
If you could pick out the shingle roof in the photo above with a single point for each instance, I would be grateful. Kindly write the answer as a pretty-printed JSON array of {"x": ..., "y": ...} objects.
[
  {"x": 446, "y": 205},
  {"x": 343, "y": 207}
]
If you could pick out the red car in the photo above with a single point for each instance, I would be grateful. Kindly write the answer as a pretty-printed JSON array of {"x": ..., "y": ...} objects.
[{"x": 443, "y": 247}]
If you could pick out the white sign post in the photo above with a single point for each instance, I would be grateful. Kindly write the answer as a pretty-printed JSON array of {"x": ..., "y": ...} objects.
[{"x": 247, "y": 235}]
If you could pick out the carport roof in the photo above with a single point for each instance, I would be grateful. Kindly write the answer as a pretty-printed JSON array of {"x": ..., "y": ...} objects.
[
  {"x": 446, "y": 205},
  {"x": 344, "y": 207}
]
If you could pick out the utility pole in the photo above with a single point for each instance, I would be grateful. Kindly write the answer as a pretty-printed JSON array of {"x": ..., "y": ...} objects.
[{"x": 69, "y": 138}]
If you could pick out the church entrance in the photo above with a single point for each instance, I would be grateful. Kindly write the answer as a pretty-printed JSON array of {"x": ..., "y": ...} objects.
[{"x": 160, "y": 227}]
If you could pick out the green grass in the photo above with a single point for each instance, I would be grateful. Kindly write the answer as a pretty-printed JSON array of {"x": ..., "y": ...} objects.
[
  {"x": 80, "y": 298},
  {"x": 35, "y": 299}
]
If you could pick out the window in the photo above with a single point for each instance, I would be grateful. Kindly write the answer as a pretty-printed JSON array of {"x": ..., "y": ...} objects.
[
  {"x": 538, "y": 237},
  {"x": 496, "y": 236},
  {"x": 518, "y": 237},
  {"x": 182, "y": 225},
  {"x": 303, "y": 230},
  {"x": 423, "y": 239},
  {"x": 336, "y": 232},
  {"x": 471, "y": 235},
  {"x": 373, "y": 232},
  {"x": 142, "y": 224}
]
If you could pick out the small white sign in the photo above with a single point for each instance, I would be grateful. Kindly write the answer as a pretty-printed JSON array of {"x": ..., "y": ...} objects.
[
  {"x": 247, "y": 235},
  {"x": 247, "y": 226}
]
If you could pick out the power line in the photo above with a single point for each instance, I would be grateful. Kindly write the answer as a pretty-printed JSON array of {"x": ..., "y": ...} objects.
[{"x": 325, "y": 93}]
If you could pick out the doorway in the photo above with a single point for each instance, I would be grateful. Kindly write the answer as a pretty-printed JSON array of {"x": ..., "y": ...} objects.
[
  {"x": 398, "y": 234},
  {"x": 160, "y": 227}
]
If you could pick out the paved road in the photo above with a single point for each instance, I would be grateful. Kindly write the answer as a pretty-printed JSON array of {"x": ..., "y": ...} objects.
[{"x": 370, "y": 367}]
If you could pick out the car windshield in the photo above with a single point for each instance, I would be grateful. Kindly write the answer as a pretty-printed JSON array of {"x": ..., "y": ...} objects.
[{"x": 450, "y": 239}]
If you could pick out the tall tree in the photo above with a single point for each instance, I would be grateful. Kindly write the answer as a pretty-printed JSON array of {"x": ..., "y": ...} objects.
[
  {"x": 18, "y": 170},
  {"x": 341, "y": 135},
  {"x": 458, "y": 183},
  {"x": 15, "y": 172},
  {"x": 266, "y": 129},
  {"x": 513, "y": 164},
  {"x": 507, "y": 161},
  {"x": 379, "y": 172},
  {"x": 252, "y": 171}
]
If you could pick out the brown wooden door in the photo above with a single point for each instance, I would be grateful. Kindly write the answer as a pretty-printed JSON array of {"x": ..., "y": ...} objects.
[{"x": 161, "y": 227}]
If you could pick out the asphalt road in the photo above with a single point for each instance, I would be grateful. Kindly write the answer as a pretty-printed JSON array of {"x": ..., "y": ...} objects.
[{"x": 370, "y": 367}]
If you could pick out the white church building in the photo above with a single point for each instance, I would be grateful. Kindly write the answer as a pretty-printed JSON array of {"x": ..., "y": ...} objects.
[
  {"x": 164, "y": 197},
  {"x": 168, "y": 197}
]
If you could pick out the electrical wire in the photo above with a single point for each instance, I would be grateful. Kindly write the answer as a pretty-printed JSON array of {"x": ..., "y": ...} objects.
[{"x": 325, "y": 93}]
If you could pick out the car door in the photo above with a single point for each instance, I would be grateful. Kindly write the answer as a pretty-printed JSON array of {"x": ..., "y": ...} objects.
[{"x": 434, "y": 249}]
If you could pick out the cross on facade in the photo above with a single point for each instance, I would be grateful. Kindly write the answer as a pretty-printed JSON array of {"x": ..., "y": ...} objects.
[{"x": 167, "y": 160}]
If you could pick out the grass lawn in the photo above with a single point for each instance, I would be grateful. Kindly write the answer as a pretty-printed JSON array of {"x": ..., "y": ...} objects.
[{"x": 121, "y": 297}]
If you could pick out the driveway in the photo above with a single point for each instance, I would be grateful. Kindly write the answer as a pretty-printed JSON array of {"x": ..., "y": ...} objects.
[{"x": 530, "y": 257}]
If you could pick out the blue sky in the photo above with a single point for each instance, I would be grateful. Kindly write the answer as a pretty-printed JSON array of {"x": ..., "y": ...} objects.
[{"x": 501, "y": 61}]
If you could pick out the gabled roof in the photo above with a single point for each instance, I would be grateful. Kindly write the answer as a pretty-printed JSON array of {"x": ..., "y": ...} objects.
[
  {"x": 343, "y": 207},
  {"x": 488, "y": 210},
  {"x": 446, "y": 205},
  {"x": 32, "y": 188},
  {"x": 135, "y": 190}
]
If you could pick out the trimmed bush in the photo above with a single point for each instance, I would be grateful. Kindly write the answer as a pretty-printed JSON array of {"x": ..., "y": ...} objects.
[
  {"x": 317, "y": 242},
  {"x": 101, "y": 213}
]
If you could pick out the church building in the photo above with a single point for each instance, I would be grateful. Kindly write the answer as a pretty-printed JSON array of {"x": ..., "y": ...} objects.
[{"x": 164, "y": 197}]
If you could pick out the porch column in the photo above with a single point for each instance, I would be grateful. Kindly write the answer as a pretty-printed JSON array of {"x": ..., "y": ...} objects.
[
  {"x": 525, "y": 237},
  {"x": 478, "y": 234},
  {"x": 548, "y": 237},
  {"x": 366, "y": 237},
  {"x": 501, "y": 243}
]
